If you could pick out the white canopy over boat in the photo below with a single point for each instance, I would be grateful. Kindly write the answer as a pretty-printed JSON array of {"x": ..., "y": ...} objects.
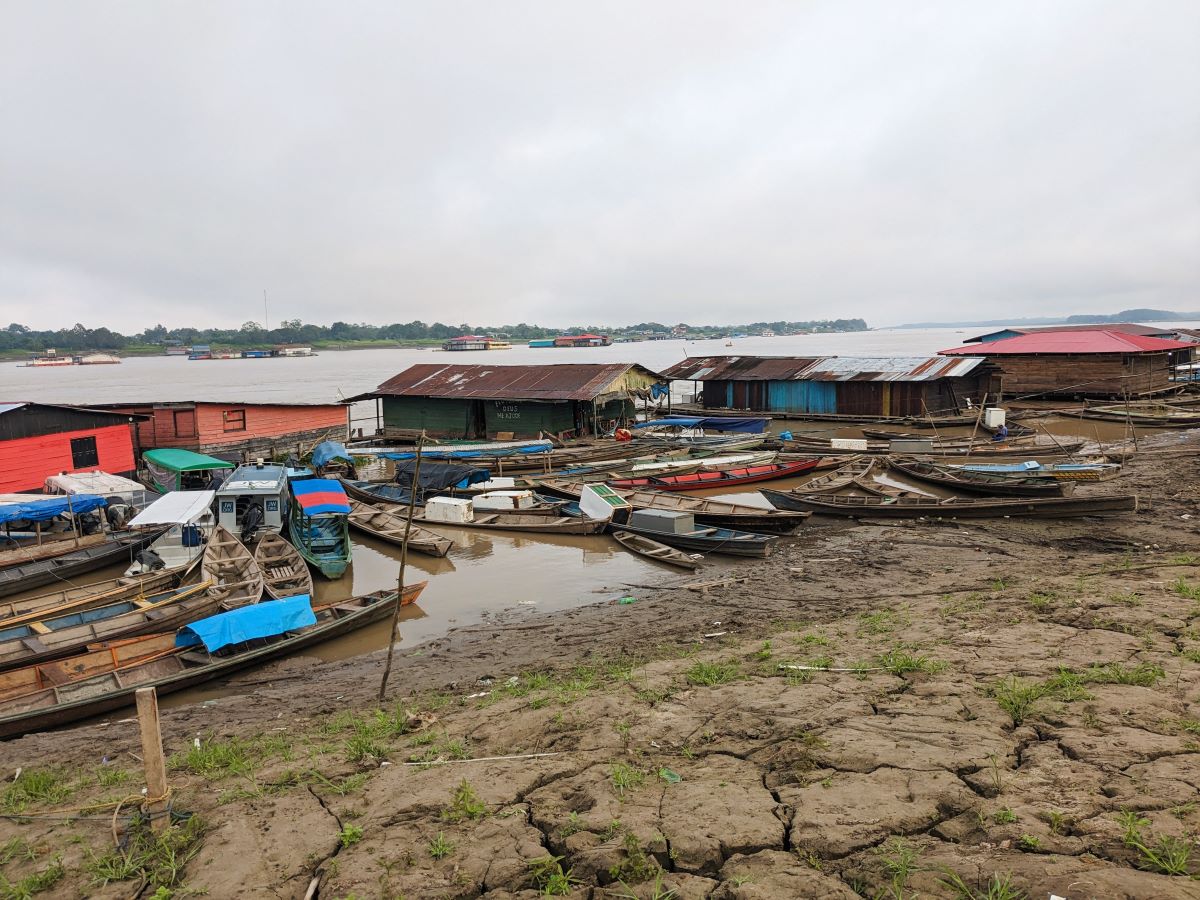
[
  {"x": 175, "y": 508},
  {"x": 190, "y": 520},
  {"x": 132, "y": 493}
]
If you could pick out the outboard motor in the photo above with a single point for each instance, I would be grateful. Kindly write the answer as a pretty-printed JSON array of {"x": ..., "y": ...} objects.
[
  {"x": 252, "y": 520},
  {"x": 150, "y": 561}
]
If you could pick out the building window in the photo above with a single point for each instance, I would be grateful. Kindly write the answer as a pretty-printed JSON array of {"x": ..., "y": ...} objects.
[
  {"x": 185, "y": 423},
  {"x": 235, "y": 419},
  {"x": 84, "y": 453}
]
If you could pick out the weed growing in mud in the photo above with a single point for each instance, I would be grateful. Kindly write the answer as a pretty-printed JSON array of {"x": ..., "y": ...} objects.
[
  {"x": 996, "y": 772},
  {"x": 1191, "y": 726},
  {"x": 106, "y": 776},
  {"x": 439, "y": 847},
  {"x": 1162, "y": 853},
  {"x": 812, "y": 639},
  {"x": 464, "y": 804},
  {"x": 1029, "y": 842},
  {"x": 157, "y": 858},
  {"x": 1004, "y": 816},
  {"x": 898, "y": 661},
  {"x": 215, "y": 759},
  {"x": 438, "y": 748},
  {"x": 1126, "y": 598},
  {"x": 347, "y": 785},
  {"x": 1017, "y": 697},
  {"x": 1057, "y": 820},
  {"x": 350, "y": 835},
  {"x": 712, "y": 674},
  {"x": 625, "y": 778},
  {"x": 899, "y": 859},
  {"x": 364, "y": 748},
  {"x": 1043, "y": 601},
  {"x": 953, "y": 608},
  {"x": 16, "y": 848},
  {"x": 636, "y": 866},
  {"x": 1143, "y": 674},
  {"x": 656, "y": 891},
  {"x": 764, "y": 653},
  {"x": 572, "y": 826},
  {"x": 884, "y": 621},
  {"x": 998, "y": 887},
  {"x": 35, "y": 786},
  {"x": 1186, "y": 590},
  {"x": 33, "y": 883},
  {"x": 548, "y": 875}
]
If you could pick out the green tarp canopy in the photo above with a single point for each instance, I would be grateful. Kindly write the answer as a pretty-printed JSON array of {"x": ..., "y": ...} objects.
[{"x": 184, "y": 460}]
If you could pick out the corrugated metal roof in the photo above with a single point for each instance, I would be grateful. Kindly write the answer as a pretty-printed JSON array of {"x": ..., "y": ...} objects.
[
  {"x": 562, "y": 381},
  {"x": 1092, "y": 341},
  {"x": 888, "y": 368},
  {"x": 740, "y": 368},
  {"x": 828, "y": 368}
]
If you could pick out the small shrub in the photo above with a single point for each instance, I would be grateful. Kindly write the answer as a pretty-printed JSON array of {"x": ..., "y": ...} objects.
[
  {"x": 465, "y": 804},
  {"x": 1017, "y": 697},
  {"x": 1029, "y": 842},
  {"x": 439, "y": 847},
  {"x": 548, "y": 875},
  {"x": 350, "y": 835},
  {"x": 1004, "y": 816}
]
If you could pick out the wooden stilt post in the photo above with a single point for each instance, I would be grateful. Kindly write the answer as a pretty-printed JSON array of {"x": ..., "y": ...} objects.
[
  {"x": 412, "y": 505},
  {"x": 152, "y": 753}
]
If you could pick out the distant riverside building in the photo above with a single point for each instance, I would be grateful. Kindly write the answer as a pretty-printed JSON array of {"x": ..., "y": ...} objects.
[
  {"x": 475, "y": 342},
  {"x": 475, "y": 402},
  {"x": 583, "y": 340},
  {"x": 1090, "y": 362},
  {"x": 838, "y": 385}
]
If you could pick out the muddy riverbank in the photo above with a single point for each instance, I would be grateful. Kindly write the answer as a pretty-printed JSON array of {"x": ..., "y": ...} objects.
[{"x": 1003, "y": 702}]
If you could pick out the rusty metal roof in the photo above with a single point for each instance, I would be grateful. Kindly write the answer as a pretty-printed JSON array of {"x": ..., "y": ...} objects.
[
  {"x": 740, "y": 368},
  {"x": 1095, "y": 340},
  {"x": 828, "y": 368},
  {"x": 560, "y": 381}
]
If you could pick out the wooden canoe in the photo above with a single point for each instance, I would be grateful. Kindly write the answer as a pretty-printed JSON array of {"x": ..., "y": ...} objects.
[
  {"x": 847, "y": 476},
  {"x": 657, "y": 551},
  {"x": 386, "y": 526},
  {"x": 724, "y": 541},
  {"x": 908, "y": 507},
  {"x": 284, "y": 571},
  {"x": 118, "y": 548},
  {"x": 1073, "y": 472},
  {"x": 705, "y": 511},
  {"x": 518, "y": 522},
  {"x": 51, "y": 545},
  {"x": 965, "y": 481},
  {"x": 64, "y": 635},
  {"x": 719, "y": 478},
  {"x": 1146, "y": 415},
  {"x": 46, "y": 696},
  {"x": 100, "y": 593},
  {"x": 978, "y": 451},
  {"x": 235, "y": 577}
]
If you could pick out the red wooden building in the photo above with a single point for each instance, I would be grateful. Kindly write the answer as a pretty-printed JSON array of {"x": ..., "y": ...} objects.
[
  {"x": 237, "y": 430},
  {"x": 38, "y": 440}
]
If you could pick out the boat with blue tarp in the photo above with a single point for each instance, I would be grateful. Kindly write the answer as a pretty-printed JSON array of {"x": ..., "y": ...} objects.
[
  {"x": 318, "y": 524},
  {"x": 38, "y": 697}
]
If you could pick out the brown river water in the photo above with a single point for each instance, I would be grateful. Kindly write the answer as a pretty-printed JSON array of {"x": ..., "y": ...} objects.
[{"x": 487, "y": 575}]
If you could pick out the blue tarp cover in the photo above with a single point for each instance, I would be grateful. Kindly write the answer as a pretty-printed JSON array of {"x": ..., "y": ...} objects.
[
  {"x": 41, "y": 509},
  {"x": 327, "y": 451},
  {"x": 260, "y": 620},
  {"x": 320, "y": 496},
  {"x": 716, "y": 423},
  {"x": 449, "y": 453}
]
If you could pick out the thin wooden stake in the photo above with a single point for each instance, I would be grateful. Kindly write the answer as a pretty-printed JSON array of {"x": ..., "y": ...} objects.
[
  {"x": 152, "y": 751},
  {"x": 412, "y": 504},
  {"x": 975, "y": 430}
]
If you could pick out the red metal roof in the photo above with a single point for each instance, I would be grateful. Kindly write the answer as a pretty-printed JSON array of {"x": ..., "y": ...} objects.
[
  {"x": 1122, "y": 327},
  {"x": 562, "y": 381},
  {"x": 1092, "y": 341}
]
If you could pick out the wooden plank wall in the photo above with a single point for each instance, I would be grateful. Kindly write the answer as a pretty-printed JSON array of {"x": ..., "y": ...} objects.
[
  {"x": 264, "y": 421},
  {"x": 25, "y": 463},
  {"x": 1092, "y": 375}
]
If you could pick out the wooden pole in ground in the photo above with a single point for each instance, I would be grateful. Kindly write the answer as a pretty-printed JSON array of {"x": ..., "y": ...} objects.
[
  {"x": 1129, "y": 421},
  {"x": 152, "y": 755},
  {"x": 412, "y": 504},
  {"x": 975, "y": 430}
]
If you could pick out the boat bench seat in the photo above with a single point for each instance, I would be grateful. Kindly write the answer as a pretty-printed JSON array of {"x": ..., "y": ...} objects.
[
  {"x": 196, "y": 657},
  {"x": 34, "y": 644}
]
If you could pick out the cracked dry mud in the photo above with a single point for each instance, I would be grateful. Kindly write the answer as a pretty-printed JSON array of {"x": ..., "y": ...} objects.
[{"x": 699, "y": 766}]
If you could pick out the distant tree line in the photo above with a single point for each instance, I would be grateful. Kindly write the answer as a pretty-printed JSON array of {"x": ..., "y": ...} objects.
[{"x": 293, "y": 331}]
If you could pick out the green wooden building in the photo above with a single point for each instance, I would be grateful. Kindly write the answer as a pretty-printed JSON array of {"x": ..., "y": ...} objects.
[{"x": 483, "y": 402}]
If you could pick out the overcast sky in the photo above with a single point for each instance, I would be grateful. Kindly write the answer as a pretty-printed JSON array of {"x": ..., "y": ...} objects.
[{"x": 563, "y": 162}]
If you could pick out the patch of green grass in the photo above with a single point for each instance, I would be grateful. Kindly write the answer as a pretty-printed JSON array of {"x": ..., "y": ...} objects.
[
  {"x": 1126, "y": 598},
  {"x": 16, "y": 848},
  {"x": 548, "y": 876},
  {"x": 1191, "y": 726},
  {"x": 625, "y": 778},
  {"x": 364, "y": 748},
  {"x": 997, "y": 887},
  {"x": 712, "y": 674},
  {"x": 957, "y": 607},
  {"x": 350, "y": 835},
  {"x": 1161, "y": 853},
  {"x": 1004, "y": 816},
  {"x": 1143, "y": 674},
  {"x": 637, "y": 866},
  {"x": 1029, "y": 842},
  {"x": 883, "y": 621},
  {"x": 818, "y": 639},
  {"x": 464, "y": 804},
  {"x": 107, "y": 776},
  {"x": 899, "y": 859},
  {"x": 1066, "y": 686},
  {"x": 1184, "y": 589},
  {"x": 898, "y": 661},
  {"x": 1043, "y": 601},
  {"x": 216, "y": 759},
  {"x": 1017, "y": 697},
  {"x": 1057, "y": 820},
  {"x": 438, "y": 748},
  {"x": 35, "y": 786},
  {"x": 573, "y": 826},
  {"x": 157, "y": 858},
  {"x": 33, "y": 883},
  {"x": 763, "y": 654},
  {"x": 439, "y": 847},
  {"x": 342, "y": 786}
]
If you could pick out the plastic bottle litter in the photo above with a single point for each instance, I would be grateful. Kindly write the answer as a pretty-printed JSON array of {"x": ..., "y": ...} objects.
[{"x": 625, "y": 601}]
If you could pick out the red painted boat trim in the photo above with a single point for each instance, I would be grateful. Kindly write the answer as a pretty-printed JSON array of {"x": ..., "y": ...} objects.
[{"x": 698, "y": 481}]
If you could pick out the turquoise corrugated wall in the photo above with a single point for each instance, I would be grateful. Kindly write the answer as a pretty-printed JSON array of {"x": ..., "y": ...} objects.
[{"x": 801, "y": 396}]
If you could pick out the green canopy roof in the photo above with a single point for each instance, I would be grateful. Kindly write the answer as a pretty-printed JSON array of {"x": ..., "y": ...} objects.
[{"x": 184, "y": 460}]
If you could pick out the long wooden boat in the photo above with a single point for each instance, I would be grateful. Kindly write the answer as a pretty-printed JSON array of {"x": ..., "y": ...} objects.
[
  {"x": 85, "y": 596},
  {"x": 519, "y": 522},
  {"x": 656, "y": 550},
  {"x": 847, "y": 476},
  {"x": 235, "y": 577},
  {"x": 14, "y": 552},
  {"x": 285, "y": 573},
  {"x": 719, "y": 478},
  {"x": 46, "y": 696},
  {"x": 966, "y": 481},
  {"x": 118, "y": 548},
  {"x": 705, "y": 511},
  {"x": 63, "y": 635},
  {"x": 385, "y": 526},
  {"x": 908, "y": 507},
  {"x": 978, "y": 451},
  {"x": 318, "y": 526},
  {"x": 1097, "y": 471},
  {"x": 1150, "y": 415},
  {"x": 710, "y": 539},
  {"x": 383, "y": 492},
  {"x": 1016, "y": 434}
]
